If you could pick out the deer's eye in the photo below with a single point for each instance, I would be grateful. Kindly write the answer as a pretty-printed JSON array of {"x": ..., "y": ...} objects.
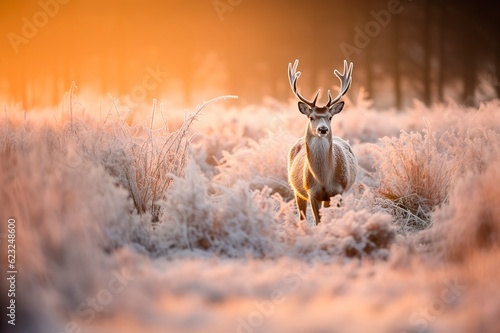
[
  {"x": 330, "y": 118},
  {"x": 311, "y": 118}
]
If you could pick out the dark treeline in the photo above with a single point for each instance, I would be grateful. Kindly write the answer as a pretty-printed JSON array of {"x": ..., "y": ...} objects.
[{"x": 413, "y": 49}]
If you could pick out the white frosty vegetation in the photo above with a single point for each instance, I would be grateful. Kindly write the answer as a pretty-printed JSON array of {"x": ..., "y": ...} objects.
[{"x": 209, "y": 230}]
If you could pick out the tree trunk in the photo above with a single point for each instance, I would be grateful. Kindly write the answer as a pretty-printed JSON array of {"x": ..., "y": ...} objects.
[
  {"x": 469, "y": 73},
  {"x": 497, "y": 63},
  {"x": 469, "y": 57},
  {"x": 396, "y": 62},
  {"x": 427, "y": 52},
  {"x": 368, "y": 51},
  {"x": 442, "y": 50}
]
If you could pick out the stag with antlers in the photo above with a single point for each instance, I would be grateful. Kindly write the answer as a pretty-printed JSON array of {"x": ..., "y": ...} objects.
[{"x": 320, "y": 165}]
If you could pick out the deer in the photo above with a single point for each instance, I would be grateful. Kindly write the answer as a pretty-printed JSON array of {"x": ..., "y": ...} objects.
[{"x": 320, "y": 165}]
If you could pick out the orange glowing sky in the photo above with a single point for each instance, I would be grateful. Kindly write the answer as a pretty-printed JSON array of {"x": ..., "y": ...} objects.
[{"x": 207, "y": 47}]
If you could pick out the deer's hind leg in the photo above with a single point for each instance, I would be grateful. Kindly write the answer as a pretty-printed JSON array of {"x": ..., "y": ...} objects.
[
  {"x": 315, "y": 206},
  {"x": 301, "y": 206}
]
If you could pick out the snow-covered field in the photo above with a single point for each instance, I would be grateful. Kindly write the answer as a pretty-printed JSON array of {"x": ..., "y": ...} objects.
[{"x": 155, "y": 221}]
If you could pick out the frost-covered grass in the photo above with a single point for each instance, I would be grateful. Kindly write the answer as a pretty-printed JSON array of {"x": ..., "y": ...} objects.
[{"x": 197, "y": 210}]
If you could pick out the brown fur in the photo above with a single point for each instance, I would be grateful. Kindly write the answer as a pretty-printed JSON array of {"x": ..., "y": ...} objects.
[{"x": 320, "y": 166}]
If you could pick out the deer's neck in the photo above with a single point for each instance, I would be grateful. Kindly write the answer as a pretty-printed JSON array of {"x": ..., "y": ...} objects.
[{"x": 319, "y": 154}]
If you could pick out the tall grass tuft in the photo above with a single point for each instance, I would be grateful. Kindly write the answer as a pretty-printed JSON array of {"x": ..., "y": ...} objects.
[
  {"x": 415, "y": 174},
  {"x": 261, "y": 163},
  {"x": 158, "y": 157},
  {"x": 417, "y": 170}
]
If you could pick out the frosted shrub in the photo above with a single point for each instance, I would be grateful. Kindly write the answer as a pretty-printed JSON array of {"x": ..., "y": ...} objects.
[
  {"x": 142, "y": 160},
  {"x": 473, "y": 148},
  {"x": 70, "y": 217},
  {"x": 414, "y": 177},
  {"x": 107, "y": 147},
  {"x": 361, "y": 228},
  {"x": 471, "y": 221},
  {"x": 137, "y": 163},
  {"x": 213, "y": 141},
  {"x": 261, "y": 163},
  {"x": 231, "y": 221},
  {"x": 185, "y": 205},
  {"x": 365, "y": 233},
  {"x": 156, "y": 159},
  {"x": 416, "y": 170},
  {"x": 366, "y": 171},
  {"x": 251, "y": 221},
  {"x": 227, "y": 130}
]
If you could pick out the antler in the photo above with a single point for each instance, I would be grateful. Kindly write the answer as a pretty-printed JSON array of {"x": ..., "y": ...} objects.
[
  {"x": 345, "y": 84},
  {"x": 293, "y": 76}
]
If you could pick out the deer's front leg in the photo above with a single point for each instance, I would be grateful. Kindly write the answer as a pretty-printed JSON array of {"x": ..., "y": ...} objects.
[
  {"x": 301, "y": 206},
  {"x": 315, "y": 205}
]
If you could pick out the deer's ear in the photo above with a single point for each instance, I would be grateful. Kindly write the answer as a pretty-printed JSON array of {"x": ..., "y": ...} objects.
[
  {"x": 304, "y": 108},
  {"x": 336, "y": 108}
]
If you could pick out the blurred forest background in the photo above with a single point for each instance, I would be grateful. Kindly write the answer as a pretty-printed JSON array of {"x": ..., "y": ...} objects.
[{"x": 430, "y": 50}]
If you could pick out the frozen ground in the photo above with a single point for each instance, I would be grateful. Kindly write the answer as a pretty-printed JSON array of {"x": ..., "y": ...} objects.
[{"x": 129, "y": 223}]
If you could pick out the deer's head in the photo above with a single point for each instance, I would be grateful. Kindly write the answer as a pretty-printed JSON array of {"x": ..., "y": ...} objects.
[{"x": 320, "y": 116}]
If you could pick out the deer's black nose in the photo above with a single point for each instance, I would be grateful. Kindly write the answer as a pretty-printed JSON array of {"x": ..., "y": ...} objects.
[{"x": 322, "y": 130}]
